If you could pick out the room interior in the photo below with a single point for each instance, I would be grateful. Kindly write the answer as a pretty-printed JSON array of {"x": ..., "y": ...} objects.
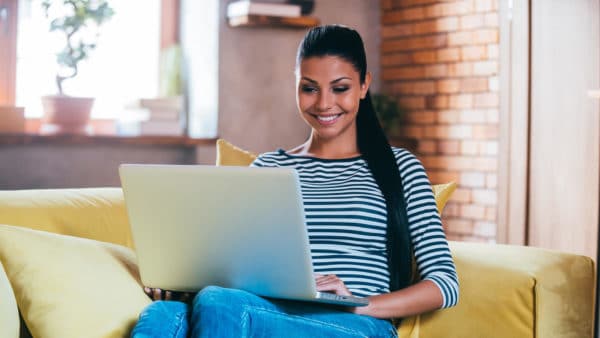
[{"x": 498, "y": 96}]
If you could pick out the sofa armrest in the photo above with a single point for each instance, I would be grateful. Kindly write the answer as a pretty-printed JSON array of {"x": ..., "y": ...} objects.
[
  {"x": 514, "y": 291},
  {"x": 94, "y": 213},
  {"x": 9, "y": 313}
]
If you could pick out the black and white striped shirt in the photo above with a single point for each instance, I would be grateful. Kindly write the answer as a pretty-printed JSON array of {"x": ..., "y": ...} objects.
[{"x": 347, "y": 219}]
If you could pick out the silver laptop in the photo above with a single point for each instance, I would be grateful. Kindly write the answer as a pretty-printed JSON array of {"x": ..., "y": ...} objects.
[{"x": 235, "y": 227}]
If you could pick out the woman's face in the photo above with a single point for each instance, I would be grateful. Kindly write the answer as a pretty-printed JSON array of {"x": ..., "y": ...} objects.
[{"x": 328, "y": 95}]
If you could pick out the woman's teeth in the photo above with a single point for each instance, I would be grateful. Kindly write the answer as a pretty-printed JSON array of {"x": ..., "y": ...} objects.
[{"x": 328, "y": 118}]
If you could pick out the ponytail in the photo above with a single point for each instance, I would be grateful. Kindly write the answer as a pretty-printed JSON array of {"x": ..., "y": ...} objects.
[{"x": 380, "y": 159}]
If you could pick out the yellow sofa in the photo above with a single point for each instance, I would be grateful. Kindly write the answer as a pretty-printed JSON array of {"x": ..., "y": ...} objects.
[{"x": 69, "y": 281}]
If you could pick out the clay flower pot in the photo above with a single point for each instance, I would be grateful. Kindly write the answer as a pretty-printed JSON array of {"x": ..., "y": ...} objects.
[{"x": 68, "y": 114}]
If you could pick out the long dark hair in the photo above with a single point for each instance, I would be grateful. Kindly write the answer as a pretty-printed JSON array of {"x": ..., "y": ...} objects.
[{"x": 346, "y": 43}]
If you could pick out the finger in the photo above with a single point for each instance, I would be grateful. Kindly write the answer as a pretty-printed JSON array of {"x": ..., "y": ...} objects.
[
  {"x": 157, "y": 294},
  {"x": 328, "y": 279},
  {"x": 147, "y": 291},
  {"x": 168, "y": 295}
]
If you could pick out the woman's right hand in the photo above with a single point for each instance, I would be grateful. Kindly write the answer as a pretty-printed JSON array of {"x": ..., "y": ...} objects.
[{"x": 159, "y": 294}]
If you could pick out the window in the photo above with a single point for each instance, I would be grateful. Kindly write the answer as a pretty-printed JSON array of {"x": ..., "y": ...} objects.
[{"x": 122, "y": 69}]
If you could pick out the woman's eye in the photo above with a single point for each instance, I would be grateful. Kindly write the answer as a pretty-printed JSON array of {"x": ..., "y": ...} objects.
[
  {"x": 340, "y": 89},
  {"x": 309, "y": 89}
]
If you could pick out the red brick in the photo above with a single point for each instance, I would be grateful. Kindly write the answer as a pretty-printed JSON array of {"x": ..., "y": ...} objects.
[
  {"x": 455, "y": 132},
  {"x": 483, "y": 5},
  {"x": 420, "y": 117},
  {"x": 448, "y": 54},
  {"x": 457, "y": 225},
  {"x": 485, "y": 132},
  {"x": 493, "y": 84},
  {"x": 473, "y": 116},
  {"x": 448, "y": 9},
  {"x": 437, "y": 102},
  {"x": 491, "y": 20},
  {"x": 493, "y": 115},
  {"x": 403, "y": 73},
  {"x": 469, "y": 22},
  {"x": 414, "y": 43},
  {"x": 421, "y": 57},
  {"x": 449, "y": 147},
  {"x": 491, "y": 181},
  {"x": 403, "y": 15},
  {"x": 399, "y": 30},
  {"x": 410, "y": 3},
  {"x": 411, "y": 131},
  {"x": 492, "y": 51},
  {"x": 436, "y": 71},
  {"x": 491, "y": 214},
  {"x": 396, "y": 59},
  {"x": 386, "y": 4},
  {"x": 448, "y": 116},
  {"x": 489, "y": 148},
  {"x": 461, "y": 38},
  {"x": 487, "y": 164},
  {"x": 485, "y": 68},
  {"x": 451, "y": 210},
  {"x": 485, "y": 196},
  {"x": 474, "y": 84},
  {"x": 412, "y": 102},
  {"x": 442, "y": 176},
  {"x": 414, "y": 87},
  {"x": 485, "y": 36},
  {"x": 447, "y": 24},
  {"x": 485, "y": 229},
  {"x": 427, "y": 147},
  {"x": 472, "y": 179},
  {"x": 472, "y": 211},
  {"x": 461, "y": 195},
  {"x": 486, "y": 100},
  {"x": 460, "y": 101},
  {"x": 460, "y": 69},
  {"x": 469, "y": 147},
  {"x": 473, "y": 53},
  {"x": 448, "y": 86}
]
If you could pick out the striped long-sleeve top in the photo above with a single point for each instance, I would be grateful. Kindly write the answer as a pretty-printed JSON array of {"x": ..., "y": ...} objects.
[{"x": 346, "y": 218}]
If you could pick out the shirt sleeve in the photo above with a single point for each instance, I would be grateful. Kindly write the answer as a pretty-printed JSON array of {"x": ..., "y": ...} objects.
[{"x": 430, "y": 247}]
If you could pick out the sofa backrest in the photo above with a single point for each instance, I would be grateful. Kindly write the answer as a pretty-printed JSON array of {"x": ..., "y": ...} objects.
[{"x": 95, "y": 213}]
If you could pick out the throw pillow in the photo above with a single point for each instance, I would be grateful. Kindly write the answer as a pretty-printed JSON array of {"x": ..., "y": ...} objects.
[
  {"x": 228, "y": 154},
  {"x": 72, "y": 287}
]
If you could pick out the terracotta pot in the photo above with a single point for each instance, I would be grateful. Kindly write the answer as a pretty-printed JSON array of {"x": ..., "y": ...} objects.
[{"x": 67, "y": 113}]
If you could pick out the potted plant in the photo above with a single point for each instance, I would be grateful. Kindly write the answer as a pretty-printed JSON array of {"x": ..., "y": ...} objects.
[{"x": 78, "y": 21}]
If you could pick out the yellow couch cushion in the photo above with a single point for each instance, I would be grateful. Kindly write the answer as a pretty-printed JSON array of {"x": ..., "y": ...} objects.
[
  {"x": 94, "y": 213},
  {"x": 71, "y": 287},
  {"x": 228, "y": 154}
]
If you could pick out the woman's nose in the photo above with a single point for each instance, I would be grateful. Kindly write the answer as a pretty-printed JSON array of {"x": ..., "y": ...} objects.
[{"x": 325, "y": 101}]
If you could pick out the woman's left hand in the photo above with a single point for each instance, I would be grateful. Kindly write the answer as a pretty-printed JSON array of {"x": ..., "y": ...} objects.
[{"x": 331, "y": 283}]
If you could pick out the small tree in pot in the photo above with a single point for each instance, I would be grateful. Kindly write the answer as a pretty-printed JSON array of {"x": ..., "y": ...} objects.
[{"x": 78, "y": 21}]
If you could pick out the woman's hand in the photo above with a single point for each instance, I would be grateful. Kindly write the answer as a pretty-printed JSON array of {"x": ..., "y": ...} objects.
[
  {"x": 159, "y": 294},
  {"x": 331, "y": 283}
]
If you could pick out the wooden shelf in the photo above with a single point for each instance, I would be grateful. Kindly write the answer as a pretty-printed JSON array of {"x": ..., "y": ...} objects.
[
  {"x": 273, "y": 21},
  {"x": 86, "y": 139}
]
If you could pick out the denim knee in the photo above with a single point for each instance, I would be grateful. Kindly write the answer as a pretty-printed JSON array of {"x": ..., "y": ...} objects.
[{"x": 163, "y": 319}]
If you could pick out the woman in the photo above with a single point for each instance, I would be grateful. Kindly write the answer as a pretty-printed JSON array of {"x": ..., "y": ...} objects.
[{"x": 369, "y": 209}]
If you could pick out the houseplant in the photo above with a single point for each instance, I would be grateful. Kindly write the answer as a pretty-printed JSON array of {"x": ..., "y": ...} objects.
[{"x": 78, "y": 22}]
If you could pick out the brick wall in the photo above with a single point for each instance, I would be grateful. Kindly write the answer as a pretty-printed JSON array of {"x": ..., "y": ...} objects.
[{"x": 440, "y": 59}]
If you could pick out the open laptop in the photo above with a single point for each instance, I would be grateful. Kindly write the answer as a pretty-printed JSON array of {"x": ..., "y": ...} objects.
[{"x": 235, "y": 227}]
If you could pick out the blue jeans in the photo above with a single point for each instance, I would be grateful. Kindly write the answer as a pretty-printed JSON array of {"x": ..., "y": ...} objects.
[{"x": 219, "y": 312}]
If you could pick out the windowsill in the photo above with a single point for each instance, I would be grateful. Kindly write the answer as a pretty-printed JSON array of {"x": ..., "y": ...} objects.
[{"x": 100, "y": 132}]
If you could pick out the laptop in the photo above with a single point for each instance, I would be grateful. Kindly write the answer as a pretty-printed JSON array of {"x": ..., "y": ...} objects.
[{"x": 235, "y": 227}]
